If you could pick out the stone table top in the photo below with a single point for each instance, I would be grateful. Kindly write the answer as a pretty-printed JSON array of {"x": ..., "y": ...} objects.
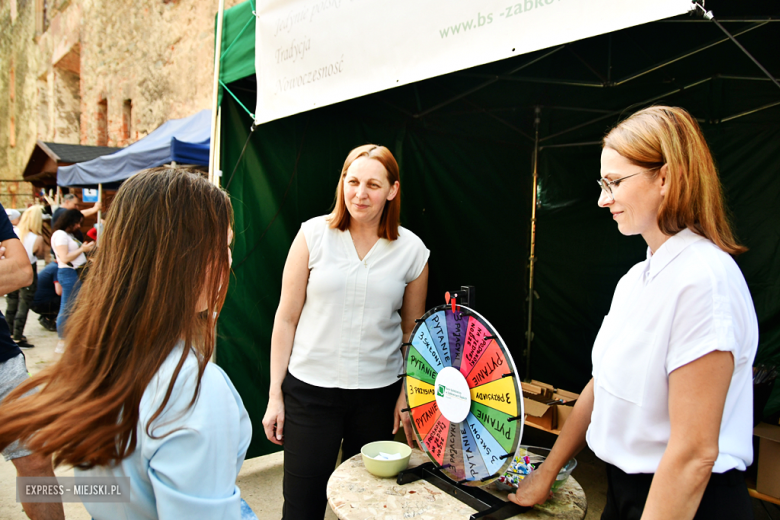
[{"x": 356, "y": 494}]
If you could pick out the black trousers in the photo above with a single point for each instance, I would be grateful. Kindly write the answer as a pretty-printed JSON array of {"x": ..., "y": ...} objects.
[
  {"x": 317, "y": 421},
  {"x": 18, "y": 304},
  {"x": 725, "y": 498},
  {"x": 48, "y": 309}
]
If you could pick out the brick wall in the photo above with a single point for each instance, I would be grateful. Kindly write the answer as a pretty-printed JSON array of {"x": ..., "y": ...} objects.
[{"x": 149, "y": 60}]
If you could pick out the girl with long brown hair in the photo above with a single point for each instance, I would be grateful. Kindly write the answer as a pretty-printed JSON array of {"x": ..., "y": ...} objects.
[
  {"x": 669, "y": 407},
  {"x": 134, "y": 394}
]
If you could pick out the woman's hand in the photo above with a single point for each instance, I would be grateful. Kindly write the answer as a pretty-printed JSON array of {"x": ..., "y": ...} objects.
[
  {"x": 87, "y": 247},
  {"x": 533, "y": 489},
  {"x": 273, "y": 421},
  {"x": 403, "y": 417}
]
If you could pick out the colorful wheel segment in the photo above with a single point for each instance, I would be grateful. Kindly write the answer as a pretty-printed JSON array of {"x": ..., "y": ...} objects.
[{"x": 463, "y": 395}]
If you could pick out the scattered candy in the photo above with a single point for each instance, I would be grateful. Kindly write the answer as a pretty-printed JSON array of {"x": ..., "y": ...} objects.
[{"x": 521, "y": 466}]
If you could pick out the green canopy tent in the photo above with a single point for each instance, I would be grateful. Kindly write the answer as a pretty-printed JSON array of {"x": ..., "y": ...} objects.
[{"x": 465, "y": 143}]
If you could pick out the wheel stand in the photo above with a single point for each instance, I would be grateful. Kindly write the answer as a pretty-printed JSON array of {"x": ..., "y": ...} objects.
[{"x": 488, "y": 507}]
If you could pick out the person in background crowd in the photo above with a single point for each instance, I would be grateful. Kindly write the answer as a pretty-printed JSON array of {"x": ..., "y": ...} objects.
[
  {"x": 134, "y": 394},
  {"x": 71, "y": 202},
  {"x": 357, "y": 268},
  {"x": 47, "y": 298},
  {"x": 70, "y": 257},
  {"x": 18, "y": 302},
  {"x": 13, "y": 217},
  {"x": 670, "y": 404},
  {"x": 15, "y": 272}
]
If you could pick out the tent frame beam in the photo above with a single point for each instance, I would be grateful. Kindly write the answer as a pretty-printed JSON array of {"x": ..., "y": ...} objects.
[
  {"x": 525, "y": 79},
  {"x": 709, "y": 16},
  {"x": 682, "y": 56},
  {"x": 618, "y": 112},
  {"x": 748, "y": 112},
  {"x": 501, "y": 120},
  {"x": 733, "y": 19},
  {"x": 487, "y": 83}
]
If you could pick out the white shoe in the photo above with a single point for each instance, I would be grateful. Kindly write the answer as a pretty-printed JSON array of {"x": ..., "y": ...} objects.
[{"x": 60, "y": 347}]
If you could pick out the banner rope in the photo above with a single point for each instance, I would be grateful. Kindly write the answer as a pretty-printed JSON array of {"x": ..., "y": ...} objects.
[{"x": 237, "y": 100}]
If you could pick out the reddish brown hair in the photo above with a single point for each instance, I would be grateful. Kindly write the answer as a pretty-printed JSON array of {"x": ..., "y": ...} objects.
[
  {"x": 391, "y": 214},
  {"x": 163, "y": 252},
  {"x": 658, "y": 136}
]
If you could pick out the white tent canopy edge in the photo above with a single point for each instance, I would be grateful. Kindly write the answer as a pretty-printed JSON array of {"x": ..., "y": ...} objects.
[{"x": 313, "y": 53}]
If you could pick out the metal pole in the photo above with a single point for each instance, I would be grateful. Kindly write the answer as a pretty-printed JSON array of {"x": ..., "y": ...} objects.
[
  {"x": 100, "y": 213},
  {"x": 218, "y": 150},
  {"x": 215, "y": 92},
  {"x": 529, "y": 335}
]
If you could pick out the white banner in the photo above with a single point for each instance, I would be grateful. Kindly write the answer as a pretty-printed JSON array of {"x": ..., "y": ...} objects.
[{"x": 312, "y": 53}]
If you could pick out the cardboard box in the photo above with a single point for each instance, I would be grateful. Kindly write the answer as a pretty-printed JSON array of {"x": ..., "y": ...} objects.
[
  {"x": 768, "y": 479},
  {"x": 544, "y": 405}
]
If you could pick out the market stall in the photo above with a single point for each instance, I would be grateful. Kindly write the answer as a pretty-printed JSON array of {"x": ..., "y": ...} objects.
[{"x": 468, "y": 143}]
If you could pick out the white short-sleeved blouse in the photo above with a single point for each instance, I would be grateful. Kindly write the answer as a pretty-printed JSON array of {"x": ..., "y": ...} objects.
[
  {"x": 349, "y": 333},
  {"x": 61, "y": 238},
  {"x": 683, "y": 302}
]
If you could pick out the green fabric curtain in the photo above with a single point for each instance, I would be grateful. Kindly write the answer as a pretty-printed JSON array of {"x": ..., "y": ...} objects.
[
  {"x": 466, "y": 181},
  {"x": 237, "y": 59}
]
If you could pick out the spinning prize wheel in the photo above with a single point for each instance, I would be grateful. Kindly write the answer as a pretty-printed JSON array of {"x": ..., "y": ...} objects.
[{"x": 463, "y": 395}]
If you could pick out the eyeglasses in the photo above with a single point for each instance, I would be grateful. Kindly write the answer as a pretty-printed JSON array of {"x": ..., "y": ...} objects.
[{"x": 606, "y": 186}]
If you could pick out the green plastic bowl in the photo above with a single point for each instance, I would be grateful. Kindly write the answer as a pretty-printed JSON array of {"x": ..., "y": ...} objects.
[{"x": 385, "y": 468}]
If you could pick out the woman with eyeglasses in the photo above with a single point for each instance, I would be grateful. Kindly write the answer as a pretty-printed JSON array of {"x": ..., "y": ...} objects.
[{"x": 669, "y": 407}]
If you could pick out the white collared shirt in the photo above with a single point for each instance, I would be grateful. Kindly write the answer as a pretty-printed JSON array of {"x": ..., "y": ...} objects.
[
  {"x": 683, "y": 302},
  {"x": 349, "y": 333}
]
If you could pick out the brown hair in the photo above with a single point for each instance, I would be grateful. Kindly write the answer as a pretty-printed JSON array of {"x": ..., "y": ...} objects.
[
  {"x": 391, "y": 214},
  {"x": 659, "y": 135},
  {"x": 164, "y": 252}
]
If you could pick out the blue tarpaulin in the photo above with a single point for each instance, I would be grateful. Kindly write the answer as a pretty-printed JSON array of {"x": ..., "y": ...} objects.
[{"x": 184, "y": 141}]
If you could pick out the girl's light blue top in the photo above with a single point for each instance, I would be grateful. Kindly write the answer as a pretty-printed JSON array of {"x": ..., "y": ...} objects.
[{"x": 190, "y": 473}]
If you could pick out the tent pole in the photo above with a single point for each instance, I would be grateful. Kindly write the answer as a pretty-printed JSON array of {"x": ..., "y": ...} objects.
[
  {"x": 100, "y": 212},
  {"x": 529, "y": 335},
  {"x": 215, "y": 91},
  {"x": 217, "y": 179}
]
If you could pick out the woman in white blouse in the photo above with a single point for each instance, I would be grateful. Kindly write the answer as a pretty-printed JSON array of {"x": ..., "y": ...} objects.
[
  {"x": 353, "y": 284},
  {"x": 669, "y": 408},
  {"x": 70, "y": 254}
]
